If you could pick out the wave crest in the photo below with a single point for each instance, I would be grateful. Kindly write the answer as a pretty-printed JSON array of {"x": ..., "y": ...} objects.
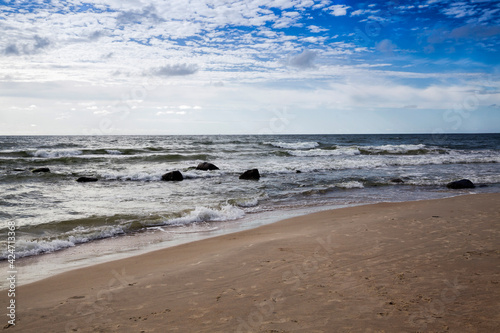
[{"x": 294, "y": 145}]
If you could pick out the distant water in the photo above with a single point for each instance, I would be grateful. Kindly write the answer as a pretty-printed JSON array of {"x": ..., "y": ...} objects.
[{"x": 52, "y": 211}]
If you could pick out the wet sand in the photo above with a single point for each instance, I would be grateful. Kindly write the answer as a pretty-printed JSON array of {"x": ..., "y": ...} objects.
[{"x": 425, "y": 266}]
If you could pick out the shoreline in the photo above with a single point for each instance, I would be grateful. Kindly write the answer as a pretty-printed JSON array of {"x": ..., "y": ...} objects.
[
  {"x": 40, "y": 266},
  {"x": 44, "y": 265},
  {"x": 406, "y": 266}
]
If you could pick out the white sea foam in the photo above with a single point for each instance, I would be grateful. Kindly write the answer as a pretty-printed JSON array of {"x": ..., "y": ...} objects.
[
  {"x": 43, "y": 153},
  {"x": 34, "y": 247},
  {"x": 205, "y": 214},
  {"x": 133, "y": 176},
  {"x": 346, "y": 151},
  {"x": 294, "y": 145},
  {"x": 395, "y": 149},
  {"x": 201, "y": 174},
  {"x": 76, "y": 236},
  {"x": 350, "y": 184},
  {"x": 113, "y": 152}
]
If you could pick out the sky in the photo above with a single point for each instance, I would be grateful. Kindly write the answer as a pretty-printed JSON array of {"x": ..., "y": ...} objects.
[{"x": 106, "y": 67}]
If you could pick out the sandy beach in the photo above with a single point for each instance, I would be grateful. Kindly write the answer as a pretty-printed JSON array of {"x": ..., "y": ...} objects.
[{"x": 424, "y": 266}]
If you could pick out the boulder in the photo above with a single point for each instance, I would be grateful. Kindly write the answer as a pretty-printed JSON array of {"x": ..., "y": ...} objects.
[
  {"x": 173, "y": 176},
  {"x": 37, "y": 170},
  {"x": 86, "y": 179},
  {"x": 252, "y": 174},
  {"x": 298, "y": 171},
  {"x": 459, "y": 184},
  {"x": 397, "y": 181},
  {"x": 206, "y": 166}
]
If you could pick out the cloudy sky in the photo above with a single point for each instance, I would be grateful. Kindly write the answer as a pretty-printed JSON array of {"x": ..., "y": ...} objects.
[{"x": 255, "y": 66}]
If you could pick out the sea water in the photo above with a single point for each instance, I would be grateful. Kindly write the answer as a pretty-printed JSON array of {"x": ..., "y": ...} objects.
[{"x": 52, "y": 211}]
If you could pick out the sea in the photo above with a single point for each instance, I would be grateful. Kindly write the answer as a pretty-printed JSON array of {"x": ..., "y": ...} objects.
[{"x": 52, "y": 212}]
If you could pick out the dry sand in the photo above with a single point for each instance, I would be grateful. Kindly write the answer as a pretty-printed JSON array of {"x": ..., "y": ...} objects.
[{"x": 426, "y": 266}]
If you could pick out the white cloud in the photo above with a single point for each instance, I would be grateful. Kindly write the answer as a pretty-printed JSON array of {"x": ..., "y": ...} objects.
[
  {"x": 385, "y": 46},
  {"x": 175, "y": 70},
  {"x": 459, "y": 10},
  {"x": 313, "y": 40},
  {"x": 102, "y": 112},
  {"x": 303, "y": 60},
  {"x": 338, "y": 10},
  {"x": 130, "y": 58},
  {"x": 316, "y": 29},
  {"x": 286, "y": 20},
  {"x": 321, "y": 4},
  {"x": 360, "y": 12}
]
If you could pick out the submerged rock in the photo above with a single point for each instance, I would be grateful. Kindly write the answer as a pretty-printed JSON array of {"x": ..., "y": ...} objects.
[
  {"x": 459, "y": 184},
  {"x": 87, "y": 179},
  {"x": 37, "y": 170},
  {"x": 252, "y": 174},
  {"x": 173, "y": 176},
  {"x": 206, "y": 166},
  {"x": 397, "y": 181}
]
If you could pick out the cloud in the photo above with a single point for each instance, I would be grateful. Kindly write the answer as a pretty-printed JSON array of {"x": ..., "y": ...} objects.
[
  {"x": 286, "y": 20},
  {"x": 303, "y": 60},
  {"x": 338, "y": 10},
  {"x": 133, "y": 17},
  {"x": 96, "y": 35},
  {"x": 11, "y": 50},
  {"x": 459, "y": 10},
  {"x": 33, "y": 46},
  {"x": 474, "y": 32},
  {"x": 466, "y": 32},
  {"x": 175, "y": 70},
  {"x": 316, "y": 29},
  {"x": 385, "y": 46},
  {"x": 40, "y": 43},
  {"x": 360, "y": 12}
]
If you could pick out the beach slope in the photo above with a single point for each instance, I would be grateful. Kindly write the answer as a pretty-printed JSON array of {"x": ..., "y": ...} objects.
[{"x": 425, "y": 266}]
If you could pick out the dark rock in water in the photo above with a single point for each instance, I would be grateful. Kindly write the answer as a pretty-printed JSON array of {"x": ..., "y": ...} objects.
[
  {"x": 251, "y": 174},
  {"x": 206, "y": 166},
  {"x": 18, "y": 170},
  {"x": 86, "y": 179},
  {"x": 172, "y": 176},
  {"x": 459, "y": 184},
  {"x": 40, "y": 170},
  {"x": 397, "y": 181},
  {"x": 298, "y": 171}
]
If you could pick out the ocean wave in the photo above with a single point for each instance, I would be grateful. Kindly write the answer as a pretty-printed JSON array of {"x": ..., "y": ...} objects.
[
  {"x": 350, "y": 184},
  {"x": 35, "y": 247},
  {"x": 408, "y": 149},
  {"x": 43, "y": 153},
  {"x": 249, "y": 202},
  {"x": 193, "y": 174},
  {"x": 346, "y": 151},
  {"x": 206, "y": 214},
  {"x": 137, "y": 176},
  {"x": 78, "y": 235},
  {"x": 294, "y": 145},
  {"x": 113, "y": 152},
  {"x": 143, "y": 176},
  {"x": 12, "y": 154},
  {"x": 72, "y": 233},
  {"x": 174, "y": 157}
]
